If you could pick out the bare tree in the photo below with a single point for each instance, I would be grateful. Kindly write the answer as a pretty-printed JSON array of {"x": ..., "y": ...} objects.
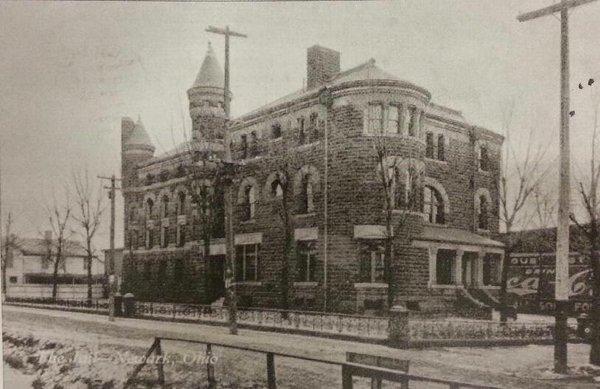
[
  {"x": 9, "y": 243},
  {"x": 589, "y": 225},
  {"x": 58, "y": 218},
  {"x": 520, "y": 176},
  {"x": 89, "y": 209},
  {"x": 398, "y": 202}
]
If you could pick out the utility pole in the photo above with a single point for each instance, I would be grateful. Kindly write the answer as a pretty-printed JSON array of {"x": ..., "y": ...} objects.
[
  {"x": 111, "y": 265},
  {"x": 561, "y": 289},
  {"x": 228, "y": 181}
]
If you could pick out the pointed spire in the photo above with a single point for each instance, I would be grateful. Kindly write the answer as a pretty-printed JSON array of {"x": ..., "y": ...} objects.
[
  {"x": 211, "y": 73},
  {"x": 139, "y": 136}
]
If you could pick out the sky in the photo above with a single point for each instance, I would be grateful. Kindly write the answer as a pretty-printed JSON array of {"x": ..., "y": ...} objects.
[{"x": 70, "y": 71}]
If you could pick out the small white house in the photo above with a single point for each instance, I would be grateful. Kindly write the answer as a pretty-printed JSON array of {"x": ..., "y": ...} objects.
[{"x": 30, "y": 267}]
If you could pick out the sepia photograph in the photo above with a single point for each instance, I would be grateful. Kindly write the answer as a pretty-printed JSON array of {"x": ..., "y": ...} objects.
[{"x": 300, "y": 194}]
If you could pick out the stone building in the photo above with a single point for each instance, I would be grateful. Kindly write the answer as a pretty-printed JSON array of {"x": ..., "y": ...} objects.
[{"x": 311, "y": 155}]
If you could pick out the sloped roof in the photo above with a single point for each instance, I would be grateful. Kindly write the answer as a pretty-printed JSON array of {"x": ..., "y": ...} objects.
[
  {"x": 139, "y": 136},
  {"x": 456, "y": 235},
  {"x": 38, "y": 246},
  {"x": 210, "y": 73},
  {"x": 363, "y": 72}
]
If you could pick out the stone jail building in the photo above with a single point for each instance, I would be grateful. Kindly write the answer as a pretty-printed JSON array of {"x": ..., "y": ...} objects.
[{"x": 312, "y": 154}]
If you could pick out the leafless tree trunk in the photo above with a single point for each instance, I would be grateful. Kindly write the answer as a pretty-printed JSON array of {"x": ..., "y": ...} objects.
[
  {"x": 88, "y": 216},
  {"x": 520, "y": 176},
  {"x": 9, "y": 243},
  {"x": 58, "y": 218},
  {"x": 395, "y": 215}
]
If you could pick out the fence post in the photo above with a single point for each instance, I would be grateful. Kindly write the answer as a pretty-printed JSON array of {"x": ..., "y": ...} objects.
[
  {"x": 271, "y": 378},
  {"x": 159, "y": 364},
  {"x": 346, "y": 377},
  {"x": 398, "y": 327},
  {"x": 210, "y": 369}
]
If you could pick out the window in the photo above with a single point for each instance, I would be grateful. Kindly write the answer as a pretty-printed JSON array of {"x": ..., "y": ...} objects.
[
  {"x": 314, "y": 128},
  {"x": 246, "y": 262},
  {"x": 164, "y": 236},
  {"x": 249, "y": 204},
  {"x": 429, "y": 146},
  {"x": 301, "y": 131},
  {"x": 181, "y": 235},
  {"x": 276, "y": 189},
  {"x": 484, "y": 159},
  {"x": 244, "y": 146},
  {"x": 308, "y": 205},
  {"x": 132, "y": 239},
  {"x": 306, "y": 261},
  {"x": 393, "y": 120},
  {"x": 276, "y": 131},
  {"x": 433, "y": 205},
  {"x": 181, "y": 203},
  {"x": 165, "y": 206},
  {"x": 412, "y": 124},
  {"x": 149, "y": 238},
  {"x": 149, "y": 208},
  {"x": 253, "y": 149},
  {"x": 373, "y": 264},
  {"x": 375, "y": 119},
  {"x": 13, "y": 279},
  {"x": 482, "y": 213},
  {"x": 441, "y": 151}
]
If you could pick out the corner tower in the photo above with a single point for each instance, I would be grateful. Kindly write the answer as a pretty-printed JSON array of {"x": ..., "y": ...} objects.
[
  {"x": 206, "y": 98},
  {"x": 136, "y": 147}
]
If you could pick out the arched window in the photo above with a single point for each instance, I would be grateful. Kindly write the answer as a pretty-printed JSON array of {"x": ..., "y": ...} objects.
[
  {"x": 433, "y": 205},
  {"x": 181, "y": 203},
  {"x": 165, "y": 206},
  {"x": 276, "y": 189},
  {"x": 482, "y": 213},
  {"x": 149, "y": 207}
]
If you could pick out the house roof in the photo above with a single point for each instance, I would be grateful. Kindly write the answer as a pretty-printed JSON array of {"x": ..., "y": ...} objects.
[
  {"x": 38, "y": 246},
  {"x": 455, "y": 235},
  {"x": 363, "y": 72}
]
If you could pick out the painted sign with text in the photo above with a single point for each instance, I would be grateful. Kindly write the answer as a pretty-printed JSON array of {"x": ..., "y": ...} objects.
[{"x": 531, "y": 280}]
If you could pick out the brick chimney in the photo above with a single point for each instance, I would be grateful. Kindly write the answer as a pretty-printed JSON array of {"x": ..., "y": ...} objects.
[{"x": 321, "y": 65}]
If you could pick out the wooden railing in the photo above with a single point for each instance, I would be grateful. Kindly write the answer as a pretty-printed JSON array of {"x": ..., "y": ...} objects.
[{"x": 348, "y": 369}]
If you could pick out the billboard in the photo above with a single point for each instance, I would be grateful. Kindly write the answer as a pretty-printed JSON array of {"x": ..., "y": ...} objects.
[{"x": 531, "y": 279}]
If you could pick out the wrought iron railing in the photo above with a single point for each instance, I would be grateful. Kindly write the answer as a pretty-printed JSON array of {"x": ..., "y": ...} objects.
[{"x": 95, "y": 305}]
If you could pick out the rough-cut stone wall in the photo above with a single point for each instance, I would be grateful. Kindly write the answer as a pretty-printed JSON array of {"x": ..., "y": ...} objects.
[{"x": 354, "y": 198}]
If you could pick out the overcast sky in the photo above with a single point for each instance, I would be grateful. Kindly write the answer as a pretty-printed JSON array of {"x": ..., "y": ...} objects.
[{"x": 70, "y": 71}]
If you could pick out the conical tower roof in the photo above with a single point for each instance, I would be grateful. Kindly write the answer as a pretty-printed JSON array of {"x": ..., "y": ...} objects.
[
  {"x": 210, "y": 73},
  {"x": 139, "y": 136}
]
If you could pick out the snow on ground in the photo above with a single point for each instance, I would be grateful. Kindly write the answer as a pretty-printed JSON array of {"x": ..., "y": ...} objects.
[{"x": 511, "y": 367}]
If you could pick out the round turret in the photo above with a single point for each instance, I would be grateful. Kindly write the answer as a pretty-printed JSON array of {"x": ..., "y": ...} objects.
[{"x": 206, "y": 98}]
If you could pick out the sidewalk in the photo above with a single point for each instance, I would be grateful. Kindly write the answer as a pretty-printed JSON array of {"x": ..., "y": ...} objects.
[{"x": 506, "y": 367}]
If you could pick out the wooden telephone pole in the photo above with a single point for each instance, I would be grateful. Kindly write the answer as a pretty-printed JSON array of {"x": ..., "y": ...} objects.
[
  {"x": 562, "y": 233},
  {"x": 111, "y": 265},
  {"x": 230, "y": 252}
]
